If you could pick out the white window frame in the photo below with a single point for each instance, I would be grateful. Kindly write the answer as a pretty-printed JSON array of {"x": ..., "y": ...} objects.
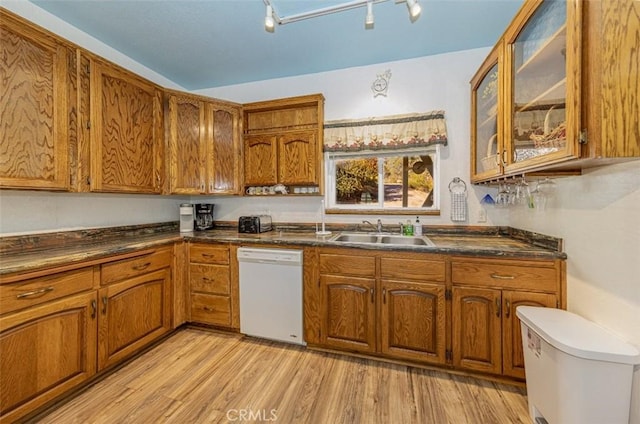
[{"x": 330, "y": 183}]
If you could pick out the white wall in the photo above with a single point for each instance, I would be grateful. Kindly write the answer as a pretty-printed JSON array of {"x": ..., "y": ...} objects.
[
  {"x": 417, "y": 85},
  {"x": 23, "y": 211},
  {"x": 597, "y": 215}
]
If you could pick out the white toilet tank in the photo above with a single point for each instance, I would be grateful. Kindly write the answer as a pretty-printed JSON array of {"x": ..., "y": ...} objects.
[{"x": 577, "y": 372}]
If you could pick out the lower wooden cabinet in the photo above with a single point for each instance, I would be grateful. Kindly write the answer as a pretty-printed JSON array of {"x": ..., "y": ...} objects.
[
  {"x": 387, "y": 303},
  {"x": 46, "y": 350},
  {"x": 512, "y": 352},
  {"x": 485, "y": 328},
  {"x": 427, "y": 308},
  {"x": 133, "y": 313},
  {"x": 413, "y": 321},
  {"x": 214, "y": 290},
  {"x": 60, "y": 327},
  {"x": 134, "y": 304},
  {"x": 477, "y": 341},
  {"x": 349, "y": 312}
]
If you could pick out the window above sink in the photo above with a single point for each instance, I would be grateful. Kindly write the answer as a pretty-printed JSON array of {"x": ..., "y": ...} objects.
[{"x": 384, "y": 165}]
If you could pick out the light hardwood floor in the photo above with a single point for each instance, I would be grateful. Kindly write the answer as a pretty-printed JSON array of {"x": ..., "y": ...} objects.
[{"x": 197, "y": 376}]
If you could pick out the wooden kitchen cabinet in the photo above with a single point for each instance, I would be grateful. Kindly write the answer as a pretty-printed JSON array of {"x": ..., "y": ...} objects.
[
  {"x": 187, "y": 136},
  {"x": 46, "y": 350},
  {"x": 413, "y": 306},
  {"x": 512, "y": 352},
  {"x": 486, "y": 121},
  {"x": 134, "y": 304},
  {"x": 127, "y": 144},
  {"x": 38, "y": 107},
  {"x": 412, "y": 321},
  {"x": 347, "y": 281},
  {"x": 563, "y": 73},
  {"x": 204, "y": 145},
  {"x": 260, "y": 160},
  {"x": 385, "y": 302},
  {"x": 298, "y": 158},
  {"x": 485, "y": 293},
  {"x": 225, "y": 169},
  {"x": 349, "y": 312},
  {"x": 283, "y": 141},
  {"x": 213, "y": 285},
  {"x": 477, "y": 340}
]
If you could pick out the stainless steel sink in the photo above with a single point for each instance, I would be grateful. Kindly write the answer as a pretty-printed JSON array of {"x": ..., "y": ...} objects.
[
  {"x": 357, "y": 238},
  {"x": 383, "y": 239},
  {"x": 406, "y": 240}
]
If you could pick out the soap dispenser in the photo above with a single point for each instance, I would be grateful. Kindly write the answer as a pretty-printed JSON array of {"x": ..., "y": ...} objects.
[
  {"x": 408, "y": 228},
  {"x": 417, "y": 228}
]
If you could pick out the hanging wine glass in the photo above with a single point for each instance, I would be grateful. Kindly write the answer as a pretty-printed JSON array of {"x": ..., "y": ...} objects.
[{"x": 522, "y": 194}]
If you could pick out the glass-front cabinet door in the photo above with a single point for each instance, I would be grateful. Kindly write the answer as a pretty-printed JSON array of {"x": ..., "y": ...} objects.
[
  {"x": 486, "y": 138},
  {"x": 542, "y": 119}
]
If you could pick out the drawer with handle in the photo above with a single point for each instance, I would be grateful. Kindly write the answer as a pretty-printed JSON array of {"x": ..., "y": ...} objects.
[
  {"x": 35, "y": 291},
  {"x": 139, "y": 265},
  {"x": 209, "y": 254},
  {"x": 209, "y": 278},
  {"x": 528, "y": 275}
]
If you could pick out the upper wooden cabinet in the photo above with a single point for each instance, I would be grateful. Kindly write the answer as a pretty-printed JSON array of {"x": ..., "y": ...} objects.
[
  {"x": 283, "y": 141},
  {"x": 260, "y": 160},
  {"x": 226, "y": 148},
  {"x": 204, "y": 145},
  {"x": 555, "y": 89},
  {"x": 486, "y": 134},
  {"x": 37, "y": 107},
  {"x": 127, "y": 146},
  {"x": 186, "y": 121}
]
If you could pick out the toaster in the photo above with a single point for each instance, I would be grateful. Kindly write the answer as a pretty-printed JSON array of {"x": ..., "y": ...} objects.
[{"x": 254, "y": 224}]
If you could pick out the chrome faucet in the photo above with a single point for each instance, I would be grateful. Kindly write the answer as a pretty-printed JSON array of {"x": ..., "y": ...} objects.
[{"x": 378, "y": 226}]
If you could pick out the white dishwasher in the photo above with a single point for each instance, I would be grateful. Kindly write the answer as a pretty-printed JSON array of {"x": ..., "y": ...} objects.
[{"x": 271, "y": 293}]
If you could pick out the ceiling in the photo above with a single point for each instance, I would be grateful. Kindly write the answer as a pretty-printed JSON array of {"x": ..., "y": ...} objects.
[{"x": 211, "y": 43}]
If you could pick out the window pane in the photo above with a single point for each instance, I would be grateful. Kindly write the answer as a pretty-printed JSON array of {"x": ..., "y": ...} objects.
[
  {"x": 356, "y": 181},
  {"x": 408, "y": 181}
]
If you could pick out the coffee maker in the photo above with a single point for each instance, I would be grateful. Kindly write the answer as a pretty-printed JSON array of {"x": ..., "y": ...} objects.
[{"x": 203, "y": 216}]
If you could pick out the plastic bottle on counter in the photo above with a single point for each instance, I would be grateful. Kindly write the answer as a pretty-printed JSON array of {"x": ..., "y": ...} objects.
[
  {"x": 417, "y": 228},
  {"x": 408, "y": 228}
]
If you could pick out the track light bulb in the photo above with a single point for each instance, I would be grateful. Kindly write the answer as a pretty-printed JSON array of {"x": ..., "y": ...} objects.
[
  {"x": 269, "y": 22},
  {"x": 414, "y": 9},
  {"x": 368, "y": 20}
]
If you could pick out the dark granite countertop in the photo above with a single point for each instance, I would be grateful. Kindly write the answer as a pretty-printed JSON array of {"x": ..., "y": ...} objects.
[{"x": 33, "y": 252}]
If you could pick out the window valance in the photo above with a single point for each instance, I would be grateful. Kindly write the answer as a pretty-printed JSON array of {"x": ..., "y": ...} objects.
[{"x": 386, "y": 133}]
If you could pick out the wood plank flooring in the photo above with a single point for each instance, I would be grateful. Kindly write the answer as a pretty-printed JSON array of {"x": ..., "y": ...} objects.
[{"x": 197, "y": 376}]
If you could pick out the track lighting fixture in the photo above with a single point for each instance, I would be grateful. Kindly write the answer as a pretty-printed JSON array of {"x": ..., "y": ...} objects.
[
  {"x": 368, "y": 20},
  {"x": 269, "y": 22},
  {"x": 272, "y": 16},
  {"x": 414, "y": 9}
]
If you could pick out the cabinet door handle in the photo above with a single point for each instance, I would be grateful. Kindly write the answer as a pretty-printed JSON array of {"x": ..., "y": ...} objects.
[
  {"x": 94, "y": 308},
  {"x": 508, "y": 311},
  {"x": 141, "y": 267},
  {"x": 34, "y": 293},
  {"x": 105, "y": 299},
  {"x": 372, "y": 291},
  {"x": 384, "y": 295},
  {"x": 502, "y": 277},
  {"x": 498, "y": 307}
]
